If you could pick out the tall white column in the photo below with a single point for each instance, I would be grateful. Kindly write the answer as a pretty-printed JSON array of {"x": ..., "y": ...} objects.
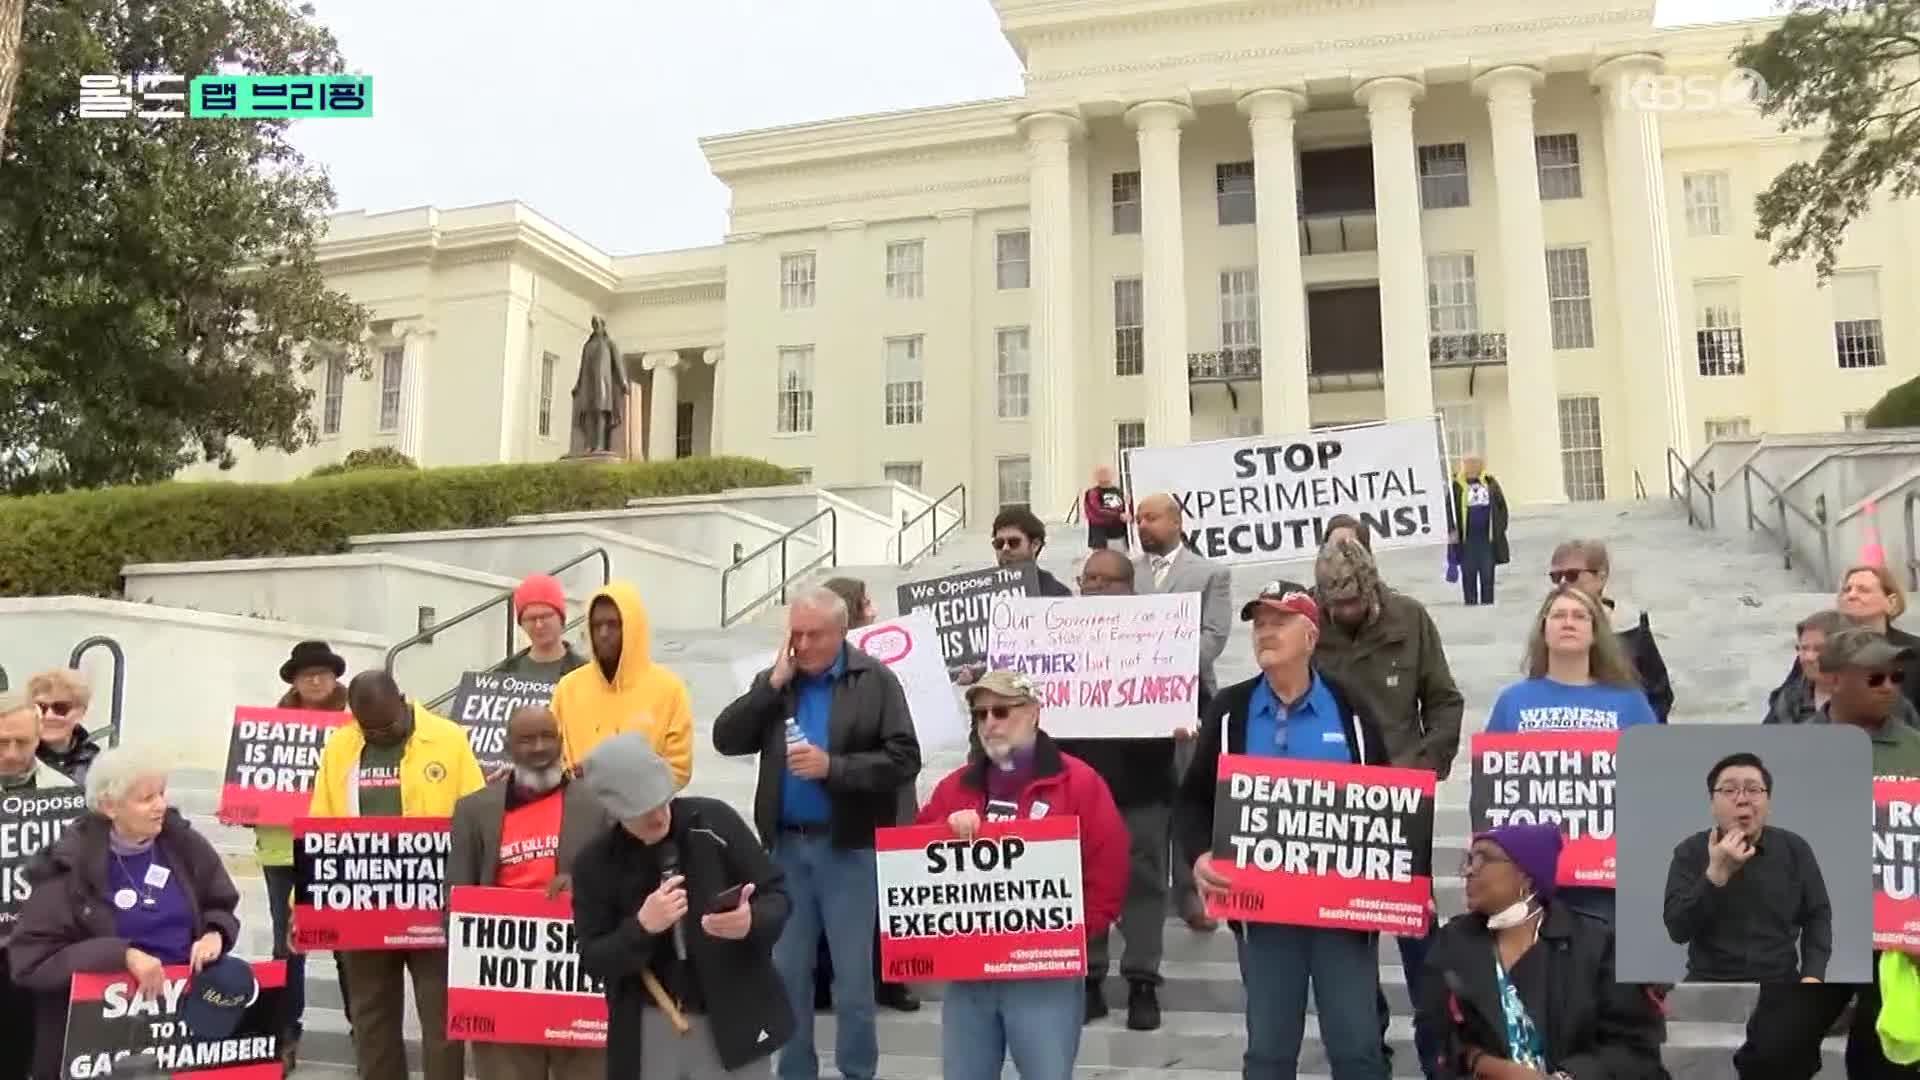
[
  {"x": 1283, "y": 296},
  {"x": 1656, "y": 349},
  {"x": 412, "y": 439},
  {"x": 1533, "y": 400},
  {"x": 712, "y": 358},
  {"x": 663, "y": 414},
  {"x": 1406, "y": 367},
  {"x": 1163, "y": 271},
  {"x": 1053, "y": 342}
]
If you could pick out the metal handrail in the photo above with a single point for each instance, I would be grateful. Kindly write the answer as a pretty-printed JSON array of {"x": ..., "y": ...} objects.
[
  {"x": 787, "y": 576},
  {"x": 1816, "y": 520},
  {"x": 1685, "y": 494},
  {"x": 939, "y": 534},
  {"x": 427, "y": 635},
  {"x": 501, "y": 665},
  {"x": 119, "y": 678},
  {"x": 1639, "y": 486},
  {"x": 1913, "y": 556}
]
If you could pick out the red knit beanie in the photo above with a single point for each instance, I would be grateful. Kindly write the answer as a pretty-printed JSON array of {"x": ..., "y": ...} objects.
[{"x": 539, "y": 589}]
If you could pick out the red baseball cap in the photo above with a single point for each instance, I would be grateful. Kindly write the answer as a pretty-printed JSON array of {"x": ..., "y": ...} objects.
[{"x": 1288, "y": 596}]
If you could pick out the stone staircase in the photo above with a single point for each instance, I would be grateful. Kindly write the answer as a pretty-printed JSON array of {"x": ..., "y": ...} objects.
[{"x": 1721, "y": 607}]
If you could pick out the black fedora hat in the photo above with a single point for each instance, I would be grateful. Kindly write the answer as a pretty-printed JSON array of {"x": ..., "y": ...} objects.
[{"x": 312, "y": 654}]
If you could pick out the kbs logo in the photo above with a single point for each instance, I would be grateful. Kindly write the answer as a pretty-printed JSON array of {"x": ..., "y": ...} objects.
[{"x": 1739, "y": 90}]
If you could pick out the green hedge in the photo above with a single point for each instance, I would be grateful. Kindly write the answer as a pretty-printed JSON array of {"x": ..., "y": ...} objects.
[
  {"x": 1898, "y": 409},
  {"x": 371, "y": 457},
  {"x": 77, "y": 542}
]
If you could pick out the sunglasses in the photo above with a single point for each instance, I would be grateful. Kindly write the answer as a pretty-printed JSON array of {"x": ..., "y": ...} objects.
[
  {"x": 1001, "y": 543},
  {"x": 998, "y": 712},
  {"x": 1564, "y": 577},
  {"x": 56, "y": 708},
  {"x": 1882, "y": 678}
]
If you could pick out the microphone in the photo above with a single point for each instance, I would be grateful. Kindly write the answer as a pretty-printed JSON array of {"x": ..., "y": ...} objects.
[{"x": 669, "y": 866}]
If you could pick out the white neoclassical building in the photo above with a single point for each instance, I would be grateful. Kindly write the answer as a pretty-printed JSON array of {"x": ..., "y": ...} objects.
[{"x": 1202, "y": 219}]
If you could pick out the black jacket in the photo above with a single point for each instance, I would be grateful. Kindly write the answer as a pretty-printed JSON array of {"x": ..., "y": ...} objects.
[
  {"x": 1644, "y": 653},
  {"x": 1909, "y": 688},
  {"x": 1227, "y": 712},
  {"x": 1771, "y": 921},
  {"x": 1052, "y": 586},
  {"x": 76, "y": 759},
  {"x": 1593, "y": 1027},
  {"x": 870, "y": 743},
  {"x": 1496, "y": 522},
  {"x": 731, "y": 983}
]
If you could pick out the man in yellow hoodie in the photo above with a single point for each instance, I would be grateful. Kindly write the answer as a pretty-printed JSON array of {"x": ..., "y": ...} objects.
[
  {"x": 396, "y": 760},
  {"x": 623, "y": 689}
]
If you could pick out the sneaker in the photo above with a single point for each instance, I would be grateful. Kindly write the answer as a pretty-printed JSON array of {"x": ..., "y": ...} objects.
[
  {"x": 1096, "y": 999},
  {"x": 897, "y": 997},
  {"x": 1143, "y": 1007}
]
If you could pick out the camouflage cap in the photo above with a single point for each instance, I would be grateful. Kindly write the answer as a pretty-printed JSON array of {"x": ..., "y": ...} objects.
[
  {"x": 1346, "y": 571},
  {"x": 1007, "y": 684}
]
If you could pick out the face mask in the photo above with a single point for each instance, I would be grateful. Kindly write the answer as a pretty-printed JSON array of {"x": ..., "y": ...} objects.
[{"x": 1516, "y": 913}]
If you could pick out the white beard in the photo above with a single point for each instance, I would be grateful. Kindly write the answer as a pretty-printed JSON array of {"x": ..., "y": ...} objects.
[{"x": 539, "y": 781}]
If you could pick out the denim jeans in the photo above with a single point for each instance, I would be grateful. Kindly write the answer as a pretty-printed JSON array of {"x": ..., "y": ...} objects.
[
  {"x": 1476, "y": 572},
  {"x": 1276, "y": 964},
  {"x": 1035, "y": 1021},
  {"x": 1413, "y": 961},
  {"x": 832, "y": 889}
]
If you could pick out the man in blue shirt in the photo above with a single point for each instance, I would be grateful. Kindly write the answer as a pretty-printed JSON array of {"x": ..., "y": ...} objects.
[{"x": 1289, "y": 710}]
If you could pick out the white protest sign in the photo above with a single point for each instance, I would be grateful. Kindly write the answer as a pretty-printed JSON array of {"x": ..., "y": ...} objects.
[
  {"x": 1267, "y": 498},
  {"x": 1115, "y": 667},
  {"x": 910, "y": 647}
]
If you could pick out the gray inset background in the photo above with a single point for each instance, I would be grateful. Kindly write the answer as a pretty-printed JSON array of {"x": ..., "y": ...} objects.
[{"x": 1822, "y": 789}]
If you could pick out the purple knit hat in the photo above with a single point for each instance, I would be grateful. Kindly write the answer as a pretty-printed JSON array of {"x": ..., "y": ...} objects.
[{"x": 1535, "y": 849}]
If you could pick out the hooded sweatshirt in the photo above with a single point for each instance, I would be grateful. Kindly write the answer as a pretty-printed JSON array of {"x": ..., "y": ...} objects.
[{"x": 642, "y": 696}]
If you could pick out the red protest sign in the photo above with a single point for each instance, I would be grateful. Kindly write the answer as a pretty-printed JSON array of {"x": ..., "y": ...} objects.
[
  {"x": 369, "y": 883},
  {"x": 513, "y": 971},
  {"x": 1562, "y": 778},
  {"x": 1314, "y": 843},
  {"x": 113, "y": 1026},
  {"x": 1005, "y": 905},
  {"x": 272, "y": 755},
  {"x": 1896, "y": 865}
]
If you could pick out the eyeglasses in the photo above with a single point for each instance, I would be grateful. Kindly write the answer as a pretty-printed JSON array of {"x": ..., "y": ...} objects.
[
  {"x": 1730, "y": 791},
  {"x": 1882, "y": 678},
  {"x": 56, "y": 708},
  {"x": 1565, "y": 577},
  {"x": 1002, "y": 543},
  {"x": 998, "y": 712},
  {"x": 1475, "y": 861}
]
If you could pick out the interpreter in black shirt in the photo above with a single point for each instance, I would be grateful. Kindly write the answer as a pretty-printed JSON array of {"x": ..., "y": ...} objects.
[{"x": 1746, "y": 898}]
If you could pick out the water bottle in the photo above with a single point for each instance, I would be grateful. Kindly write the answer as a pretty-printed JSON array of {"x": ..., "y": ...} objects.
[{"x": 794, "y": 735}]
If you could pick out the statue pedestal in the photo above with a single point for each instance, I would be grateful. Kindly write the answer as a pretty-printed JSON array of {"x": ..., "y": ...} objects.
[{"x": 596, "y": 457}]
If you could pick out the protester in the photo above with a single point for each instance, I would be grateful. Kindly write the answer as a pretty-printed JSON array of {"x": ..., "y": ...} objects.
[
  {"x": 1104, "y": 506},
  {"x": 1524, "y": 986},
  {"x": 853, "y": 593},
  {"x": 395, "y": 759},
  {"x": 129, "y": 887},
  {"x": 20, "y": 772},
  {"x": 1289, "y": 710},
  {"x": 525, "y": 831},
  {"x": 62, "y": 696},
  {"x": 1871, "y": 596},
  {"x": 1347, "y": 527},
  {"x": 1584, "y": 564},
  {"x": 1578, "y": 679},
  {"x": 623, "y": 689},
  {"x": 1477, "y": 529},
  {"x": 1018, "y": 538},
  {"x": 1023, "y": 774},
  {"x": 1385, "y": 645},
  {"x": 836, "y": 745},
  {"x": 540, "y": 607},
  {"x": 692, "y": 992},
  {"x": 1803, "y": 697}
]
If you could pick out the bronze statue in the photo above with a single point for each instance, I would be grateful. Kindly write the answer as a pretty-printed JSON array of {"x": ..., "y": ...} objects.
[{"x": 599, "y": 394}]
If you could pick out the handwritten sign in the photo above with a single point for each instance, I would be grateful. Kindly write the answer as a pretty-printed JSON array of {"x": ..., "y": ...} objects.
[{"x": 1107, "y": 667}]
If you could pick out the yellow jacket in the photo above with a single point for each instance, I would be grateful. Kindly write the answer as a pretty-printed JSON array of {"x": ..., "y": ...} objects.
[
  {"x": 436, "y": 769},
  {"x": 643, "y": 696}
]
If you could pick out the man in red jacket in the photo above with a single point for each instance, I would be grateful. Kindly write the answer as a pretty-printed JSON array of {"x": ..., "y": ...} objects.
[{"x": 1023, "y": 775}]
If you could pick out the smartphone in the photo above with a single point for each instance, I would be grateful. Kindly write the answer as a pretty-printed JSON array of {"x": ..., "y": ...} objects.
[{"x": 726, "y": 901}]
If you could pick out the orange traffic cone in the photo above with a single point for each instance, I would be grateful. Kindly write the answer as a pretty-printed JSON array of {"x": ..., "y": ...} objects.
[{"x": 1871, "y": 553}]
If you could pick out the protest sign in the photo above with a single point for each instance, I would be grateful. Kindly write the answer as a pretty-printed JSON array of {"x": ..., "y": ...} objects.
[
  {"x": 1896, "y": 865},
  {"x": 1558, "y": 778},
  {"x": 1005, "y": 905},
  {"x": 1267, "y": 498},
  {"x": 1122, "y": 667},
  {"x": 960, "y": 603},
  {"x": 29, "y": 821},
  {"x": 272, "y": 755},
  {"x": 482, "y": 704},
  {"x": 1312, "y": 843},
  {"x": 114, "y": 1028},
  {"x": 513, "y": 971},
  {"x": 369, "y": 883}
]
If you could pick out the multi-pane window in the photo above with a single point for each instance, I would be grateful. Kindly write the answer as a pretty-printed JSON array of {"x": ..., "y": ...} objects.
[
  {"x": 549, "y": 363},
  {"x": 796, "y": 280},
  {"x": 1583, "y": 464},
  {"x": 393, "y": 367},
  {"x": 333, "y": 397},
  {"x": 1705, "y": 195},
  {"x": 1718, "y": 340},
  {"x": 793, "y": 401},
  {"x": 1126, "y": 202},
  {"x": 906, "y": 394},
  {"x": 1127, "y": 435},
  {"x": 802, "y": 476},
  {"x": 1129, "y": 327},
  {"x": 1453, "y": 305},
  {"x": 906, "y": 269},
  {"x": 1012, "y": 259},
  {"x": 1239, "y": 309},
  {"x": 1465, "y": 431},
  {"x": 1856, "y": 319},
  {"x": 1570, "y": 298},
  {"x": 1558, "y": 158},
  {"x": 1855, "y": 420},
  {"x": 1729, "y": 427},
  {"x": 1015, "y": 476},
  {"x": 905, "y": 473},
  {"x": 1443, "y": 176},
  {"x": 1233, "y": 192},
  {"x": 1012, "y": 371}
]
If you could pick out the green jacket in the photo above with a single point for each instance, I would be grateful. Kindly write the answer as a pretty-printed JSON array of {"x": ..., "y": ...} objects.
[{"x": 1397, "y": 665}]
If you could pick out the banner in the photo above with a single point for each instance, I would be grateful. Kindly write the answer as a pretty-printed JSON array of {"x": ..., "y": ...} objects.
[
  {"x": 513, "y": 971},
  {"x": 960, "y": 603},
  {"x": 1120, "y": 667},
  {"x": 112, "y": 1027},
  {"x": 1896, "y": 865},
  {"x": 1559, "y": 778},
  {"x": 271, "y": 758},
  {"x": 1311, "y": 843},
  {"x": 29, "y": 821},
  {"x": 1005, "y": 905},
  {"x": 909, "y": 646},
  {"x": 482, "y": 704},
  {"x": 1268, "y": 498},
  {"x": 369, "y": 883}
]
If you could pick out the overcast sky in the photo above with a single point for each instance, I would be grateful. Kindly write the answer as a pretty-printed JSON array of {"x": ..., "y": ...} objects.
[{"x": 589, "y": 110}]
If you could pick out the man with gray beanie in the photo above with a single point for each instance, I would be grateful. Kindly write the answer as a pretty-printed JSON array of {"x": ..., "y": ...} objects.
[{"x": 677, "y": 908}]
